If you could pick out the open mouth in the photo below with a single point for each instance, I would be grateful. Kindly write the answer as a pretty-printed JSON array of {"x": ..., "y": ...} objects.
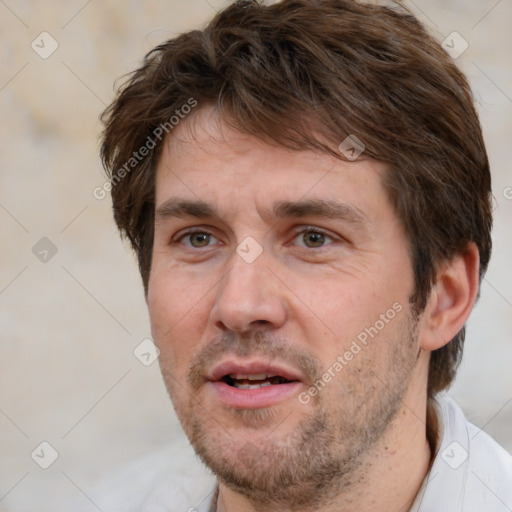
[
  {"x": 253, "y": 381},
  {"x": 256, "y": 384}
]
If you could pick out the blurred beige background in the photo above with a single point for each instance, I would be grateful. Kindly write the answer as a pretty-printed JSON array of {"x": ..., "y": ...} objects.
[{"x": 71, "y": 319}]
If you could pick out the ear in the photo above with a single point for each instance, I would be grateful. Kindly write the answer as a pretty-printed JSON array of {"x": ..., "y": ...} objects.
[{"x": 451, "y": 299}]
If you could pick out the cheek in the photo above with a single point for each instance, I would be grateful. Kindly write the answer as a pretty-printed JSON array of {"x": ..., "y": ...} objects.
[
  {"x": 351, "y": 309},
  {"x": 163, "y": 306},
  {"x": 171, "y": 295},
  {"x": 176, "y": 314}
]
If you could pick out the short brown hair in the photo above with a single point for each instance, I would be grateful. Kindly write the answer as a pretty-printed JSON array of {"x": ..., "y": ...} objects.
[{"x": 305, "y": 74}]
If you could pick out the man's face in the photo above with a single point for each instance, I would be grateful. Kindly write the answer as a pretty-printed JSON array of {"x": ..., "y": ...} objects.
[{"x": 279, "y": 299}]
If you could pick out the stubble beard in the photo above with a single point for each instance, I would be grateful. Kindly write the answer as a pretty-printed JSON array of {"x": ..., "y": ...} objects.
[{"x": 309, "y": 465}]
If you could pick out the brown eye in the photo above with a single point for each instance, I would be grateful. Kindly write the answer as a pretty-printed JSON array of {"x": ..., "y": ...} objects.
[
  {"x": 197, "y": 239},
  {"x": 312, "y": 239}
]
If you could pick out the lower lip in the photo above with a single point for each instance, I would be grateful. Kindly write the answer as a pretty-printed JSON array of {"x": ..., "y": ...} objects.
[{"x": 266, "y": 396}]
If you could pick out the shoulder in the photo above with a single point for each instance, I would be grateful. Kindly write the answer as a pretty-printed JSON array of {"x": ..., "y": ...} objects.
[
  {"x": 473, "y": 461},
  {"x": 490, "y": 470},
  {"x": 169, "y": 480}
]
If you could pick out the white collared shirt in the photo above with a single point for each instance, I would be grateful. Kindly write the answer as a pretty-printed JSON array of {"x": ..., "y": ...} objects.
[{"x": 470, "y": 473}]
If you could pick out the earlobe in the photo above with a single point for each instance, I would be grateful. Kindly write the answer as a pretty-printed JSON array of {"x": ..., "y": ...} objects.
[{"x": 451, "y": 300}]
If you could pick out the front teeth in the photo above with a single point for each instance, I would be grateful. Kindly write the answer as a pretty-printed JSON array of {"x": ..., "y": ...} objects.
[
  {"x": 251, "y": 386},
  {"x": 242, "y": 381},
  {"x": 259, "y": 376}
]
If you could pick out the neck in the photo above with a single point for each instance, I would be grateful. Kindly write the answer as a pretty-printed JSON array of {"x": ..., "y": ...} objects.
[{"x": 387, "y": 480}]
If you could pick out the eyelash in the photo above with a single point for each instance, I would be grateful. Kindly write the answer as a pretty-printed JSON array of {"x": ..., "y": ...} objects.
[
  {"x": 296, "y": 233},
  {"x": 313, "y": 229}
]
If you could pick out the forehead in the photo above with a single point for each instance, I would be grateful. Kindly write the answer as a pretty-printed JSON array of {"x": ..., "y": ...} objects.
[{"x": 207, "y": 160}]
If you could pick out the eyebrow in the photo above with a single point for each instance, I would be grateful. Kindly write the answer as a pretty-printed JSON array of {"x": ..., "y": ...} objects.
[
  {"x": 185, "y": 208},
  {"x": 320, "y": 208},
  {"x": 282, "y": 209}
]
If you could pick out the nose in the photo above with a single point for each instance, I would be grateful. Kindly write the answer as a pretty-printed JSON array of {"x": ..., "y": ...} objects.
[{"x": 249, "y": 296}]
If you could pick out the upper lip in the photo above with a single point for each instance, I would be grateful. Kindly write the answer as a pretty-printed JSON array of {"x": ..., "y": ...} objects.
[{"x": 254, "y": 367}]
